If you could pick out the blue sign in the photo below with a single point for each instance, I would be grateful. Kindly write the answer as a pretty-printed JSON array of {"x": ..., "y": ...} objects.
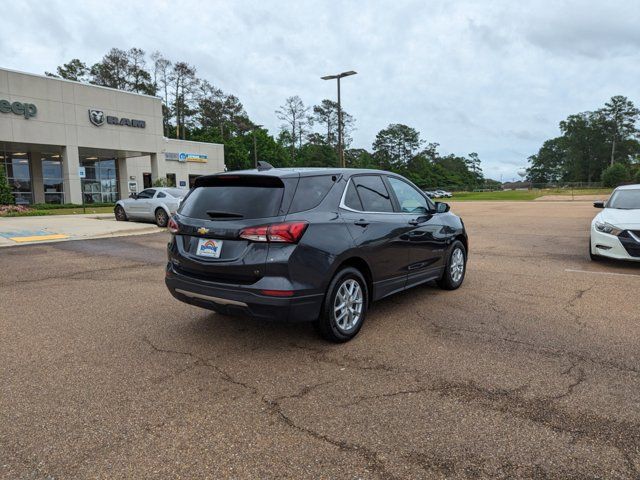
[{"x": 183, "y": 183}]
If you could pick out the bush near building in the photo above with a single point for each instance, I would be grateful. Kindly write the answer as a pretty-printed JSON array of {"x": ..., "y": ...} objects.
[
  {"x": 6, "y": 197},
  {"x": 615, "y": 175}
]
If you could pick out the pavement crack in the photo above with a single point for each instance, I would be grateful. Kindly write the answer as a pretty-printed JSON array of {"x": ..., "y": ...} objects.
[
  {"x": 622, "y": 435},
  {"x": 82, "y": 275},
  {"x": 364, "y": 398},
  {"x": 346, "y": 361},
  {"x": 204, "y": 362},
  {"x": 572, "y": 303},
  {"x": 487, "y": 337},
  {"x": 370, "y": 456},
  {"x": 578, "y": 380}
]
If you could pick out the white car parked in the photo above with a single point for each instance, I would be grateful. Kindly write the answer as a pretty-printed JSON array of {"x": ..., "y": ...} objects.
[
  {"x": 443, "y": 194},
  {"x": 151, "y": 204},
  {"x": 615, "y": 232}
]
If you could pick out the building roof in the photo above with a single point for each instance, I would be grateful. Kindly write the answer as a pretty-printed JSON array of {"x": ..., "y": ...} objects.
[{"x": 46, "y": 77}]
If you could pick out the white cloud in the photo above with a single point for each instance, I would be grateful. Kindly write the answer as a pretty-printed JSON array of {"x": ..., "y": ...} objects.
[{"x": 491, "y": 77}]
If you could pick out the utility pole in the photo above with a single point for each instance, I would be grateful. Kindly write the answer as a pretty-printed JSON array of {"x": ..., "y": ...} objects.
[
  {"x": 340, "y": 133},
  {"x": 255, "y": 146}
]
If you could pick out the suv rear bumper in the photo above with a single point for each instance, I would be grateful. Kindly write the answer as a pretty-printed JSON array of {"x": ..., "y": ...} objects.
[{"x": 242, "y": 300}]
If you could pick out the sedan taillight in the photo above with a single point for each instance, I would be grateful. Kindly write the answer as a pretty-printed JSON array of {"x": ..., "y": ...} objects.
[
  {"x": 287, "y": 232},
  {"x": 173, "y": 226}
]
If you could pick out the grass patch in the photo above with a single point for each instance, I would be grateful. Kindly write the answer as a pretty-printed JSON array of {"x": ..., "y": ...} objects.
[
  {"x": 527, "y": 195},
  {"x": 59, "y": 211},
  {"x": 498, "y": 195}
]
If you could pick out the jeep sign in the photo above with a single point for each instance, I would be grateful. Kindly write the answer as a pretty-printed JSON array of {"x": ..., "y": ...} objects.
[{"x": 27, "y": 110}]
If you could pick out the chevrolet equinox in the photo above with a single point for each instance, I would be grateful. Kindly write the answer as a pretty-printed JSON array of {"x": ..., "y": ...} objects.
[{"x": 310, "y": 244}]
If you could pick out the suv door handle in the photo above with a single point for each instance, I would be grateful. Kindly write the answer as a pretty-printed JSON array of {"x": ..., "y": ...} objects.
[{"x": 361, "y": 223}]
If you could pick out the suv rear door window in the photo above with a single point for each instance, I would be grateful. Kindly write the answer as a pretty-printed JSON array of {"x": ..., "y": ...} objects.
[
  {"x": 373, "y": 193},
  {"x": 310, "y": 192},
  {"x": 351, "y": 198},
  {"x": 234, "y": 197}
]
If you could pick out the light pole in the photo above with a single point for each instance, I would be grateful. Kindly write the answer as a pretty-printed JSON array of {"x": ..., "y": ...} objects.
[
  {"x": 338, "y": 77},
  {"x": 255, "y": 145}
]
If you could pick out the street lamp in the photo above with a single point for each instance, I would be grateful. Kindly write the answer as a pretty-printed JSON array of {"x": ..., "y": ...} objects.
[
  {"x": 338, "y": 77},
  {"x": 255, "y": 145}
]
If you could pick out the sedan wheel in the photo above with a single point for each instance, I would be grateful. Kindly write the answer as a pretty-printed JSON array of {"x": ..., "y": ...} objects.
[
  {"x": 454, "y": 272},
  {"x": 121, "y": 215},
  {"x": 161, "y": 218}
]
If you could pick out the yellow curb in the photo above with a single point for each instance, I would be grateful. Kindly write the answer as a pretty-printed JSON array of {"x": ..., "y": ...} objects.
[{"x": 39, "y": 238}]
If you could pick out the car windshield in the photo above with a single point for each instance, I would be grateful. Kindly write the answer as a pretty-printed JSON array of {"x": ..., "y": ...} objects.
[{"x": 625, "y": 199}]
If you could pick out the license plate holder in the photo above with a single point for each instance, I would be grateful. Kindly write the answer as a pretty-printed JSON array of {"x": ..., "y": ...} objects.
[{"x": 209, "y": 248}]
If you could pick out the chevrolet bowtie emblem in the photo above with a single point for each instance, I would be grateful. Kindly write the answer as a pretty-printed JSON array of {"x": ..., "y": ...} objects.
[{"x": 203, "y": 230}]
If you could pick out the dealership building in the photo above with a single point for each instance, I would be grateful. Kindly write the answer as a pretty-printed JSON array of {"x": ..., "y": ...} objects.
[{"x": 69, "y": 142}]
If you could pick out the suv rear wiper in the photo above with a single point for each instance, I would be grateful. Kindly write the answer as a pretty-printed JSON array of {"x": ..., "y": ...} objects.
[{"x": 214, "y": 214}]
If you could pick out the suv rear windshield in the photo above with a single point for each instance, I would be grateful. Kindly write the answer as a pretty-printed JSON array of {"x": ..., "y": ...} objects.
[{"x": 229, "y": 197}]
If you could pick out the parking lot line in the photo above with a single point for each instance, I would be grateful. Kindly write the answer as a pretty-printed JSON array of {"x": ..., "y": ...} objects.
[
  {"x": 39, "y": 238},
  {"x": 602, "y": 273}
]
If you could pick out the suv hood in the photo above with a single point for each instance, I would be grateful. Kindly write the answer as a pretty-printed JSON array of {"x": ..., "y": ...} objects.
[{"x": 625, "y": 219}]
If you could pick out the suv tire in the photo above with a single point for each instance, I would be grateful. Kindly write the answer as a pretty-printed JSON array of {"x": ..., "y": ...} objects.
[{"x": 344, "y": 307}]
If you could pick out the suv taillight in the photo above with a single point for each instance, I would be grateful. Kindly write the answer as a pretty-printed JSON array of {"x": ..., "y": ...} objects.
[
  {"x": 288, "y": 232},
  {"x": 173, "y": 226}
]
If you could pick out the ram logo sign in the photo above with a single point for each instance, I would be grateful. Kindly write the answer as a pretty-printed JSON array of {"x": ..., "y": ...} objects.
[{"x": 97, "y": 117}]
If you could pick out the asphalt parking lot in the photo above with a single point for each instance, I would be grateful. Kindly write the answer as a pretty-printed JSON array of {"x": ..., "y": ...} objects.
[{"x": 530, "y": 370}]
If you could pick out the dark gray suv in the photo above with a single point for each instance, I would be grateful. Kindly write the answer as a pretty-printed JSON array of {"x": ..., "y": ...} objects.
[{"x": 317, "y": 245}]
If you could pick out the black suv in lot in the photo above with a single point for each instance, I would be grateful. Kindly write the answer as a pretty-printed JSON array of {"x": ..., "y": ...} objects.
[{"x": 317, "y": 245}]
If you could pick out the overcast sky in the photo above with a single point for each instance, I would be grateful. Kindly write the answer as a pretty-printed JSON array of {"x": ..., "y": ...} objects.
[{"x": 493, "y": 77}]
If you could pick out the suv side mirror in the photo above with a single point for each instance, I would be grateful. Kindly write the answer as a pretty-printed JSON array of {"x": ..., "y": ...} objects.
[
  {"x": 134, "y": 196},
  {"x": 599, "y": 204},
  {"x": 442, "y": 207}
]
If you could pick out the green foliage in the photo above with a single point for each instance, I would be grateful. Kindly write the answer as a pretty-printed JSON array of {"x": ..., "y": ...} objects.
[
  {"x": 74, "y": 70},
  {"x": 396, "y": 145},
  {"x": 59, "y": 206},
  {"x": 6, "y": 197},
  {"x": 590, "y": 142},
  {"x": 637, "y": 176},
  {"x": 615, "y": 175},
  {"x": 160, "y": 182},
  {"x": 313, "y": 155}
]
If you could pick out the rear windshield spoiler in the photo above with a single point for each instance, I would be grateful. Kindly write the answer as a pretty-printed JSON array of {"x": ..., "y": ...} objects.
[{"x": 264, "y": 181}]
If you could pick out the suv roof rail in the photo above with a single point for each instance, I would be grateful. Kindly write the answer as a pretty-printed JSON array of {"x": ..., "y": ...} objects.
[{"x": 264, "y": 166}]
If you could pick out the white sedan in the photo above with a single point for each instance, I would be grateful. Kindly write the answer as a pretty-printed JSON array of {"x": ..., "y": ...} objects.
[
  {"x": 615, "y": 232},
  {"x": 156, "y": 204},
  {"x": 443, "y": 194}
]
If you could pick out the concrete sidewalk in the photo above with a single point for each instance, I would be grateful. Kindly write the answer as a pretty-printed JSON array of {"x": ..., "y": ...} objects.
[{"x": 56, "y": 228}]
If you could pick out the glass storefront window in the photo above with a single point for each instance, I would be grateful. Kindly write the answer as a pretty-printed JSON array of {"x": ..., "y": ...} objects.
[
  {"x": 100, "y": 184},
  {"x": 17, "y": 169},
  {"x": 52, "y": 178}
]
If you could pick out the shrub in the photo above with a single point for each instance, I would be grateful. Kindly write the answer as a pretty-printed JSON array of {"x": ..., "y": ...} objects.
[
  {"x": 615, "y": 175},
  {"x": 13, "y": 210},
  {"x": 6, "y": 197},
  {"x": 637, "y": 178}
]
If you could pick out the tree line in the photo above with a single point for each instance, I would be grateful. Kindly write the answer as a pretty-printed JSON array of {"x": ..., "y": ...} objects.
[
  {"x": 195, "y": 109},
  {"x": 594, "y": 146}
]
